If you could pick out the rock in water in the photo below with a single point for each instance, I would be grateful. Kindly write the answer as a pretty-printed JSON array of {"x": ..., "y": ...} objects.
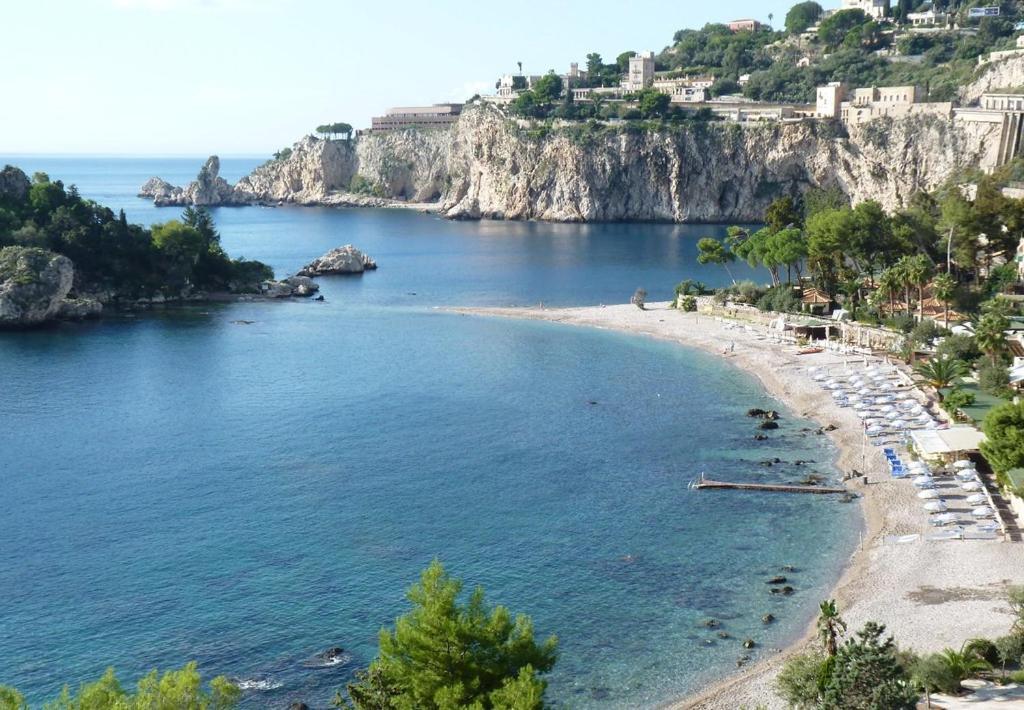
[
  {"x": 33, "y": 285},
  {"x": 344, "y": 260},
  {"x": 209, "y": 188}
]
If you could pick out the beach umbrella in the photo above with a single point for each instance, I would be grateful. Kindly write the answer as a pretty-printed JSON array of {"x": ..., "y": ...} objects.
[
  {"x": 861, "y": 405},
  {"x": 962, "y": 464},
  {"x": 875, "y": 429},
  {"x": 936, "y": 506},
  {"x": 923, "y": 481},
  {"x": 964, "y": 476},
  {"x": 977, "y": 499},
  {"x": 971, "y": 486},
  {"x": 942, "y": 519},
  {"x": 983, "y": 512},
  {"x": 929, "y": 494},
  {"x": 917, "y": 466}
]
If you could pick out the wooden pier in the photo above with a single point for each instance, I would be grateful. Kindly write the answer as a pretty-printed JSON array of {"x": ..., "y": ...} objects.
[{"x": 703, "y": 483}]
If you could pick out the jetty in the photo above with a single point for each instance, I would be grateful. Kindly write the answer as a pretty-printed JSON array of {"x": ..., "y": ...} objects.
[{"x": 706, "y": 483}]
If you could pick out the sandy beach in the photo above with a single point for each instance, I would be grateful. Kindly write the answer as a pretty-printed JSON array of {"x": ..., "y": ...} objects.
[{"x": 930, "y": 595}]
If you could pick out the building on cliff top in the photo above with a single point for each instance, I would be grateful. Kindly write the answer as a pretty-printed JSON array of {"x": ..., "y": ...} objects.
[
  {"x": 745, "y": 26},
  {"x": 641, "y": 72},
  {"x": 876, "y": 9},
  {"x": 404, "y": 117}
]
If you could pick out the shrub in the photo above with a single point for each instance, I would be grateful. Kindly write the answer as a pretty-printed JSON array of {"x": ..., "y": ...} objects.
[
  {"x": 902, "y": 323},
  {"x": 639, "y": 298},
  {"x": 957, "y": 400},
  {"x": 925, "y": 332},
  {"x": 1010, "y": 649},
  {"x": 688, "y": 304},
  {"x": 799, "y": 681},
  {"x": 945, "y": 671},
  {"x": 781, "y": 299},
  {"x": 959, "y": 347},
  {"x": 983, "y": 649},
  {"x": 995, "y": 380}
]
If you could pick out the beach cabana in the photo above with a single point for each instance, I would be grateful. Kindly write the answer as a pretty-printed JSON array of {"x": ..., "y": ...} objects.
[
  {"x": 814, "y": 300},
  {"x": 947, "y": 442}
]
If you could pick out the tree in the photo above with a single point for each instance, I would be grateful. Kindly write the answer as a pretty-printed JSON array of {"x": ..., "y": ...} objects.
[
  {"x": 800, "y": 680},
  {"x": 548, "y": 88},
  {"x": 783, "y": 213},
  {"x": 830, "y": 627},
  {"x": 918, "y": 270},
  {"x": 653, "y": 103},
  {"x": 712, "y": 251},
  {"x": 11, "y": 699},
  {"x": 801, "y": 16},
  {"x": 622, "y": 61},
  {"x": 867, "y": 674},
  {"x": 443, "y": 654},
  {"x": 1003, "y": 447},
  {"x": 833, "y": 30},
  {"x": 991, "y": 335},
  {"x": 789, "y": 247},
  {"x": 334, "y": 129},
  {"x": 1015, "y": 597},
  {"x": 945, "y": 288},
  {"x": 174, "y": 690},
  {"x": 940, "y": 373}
]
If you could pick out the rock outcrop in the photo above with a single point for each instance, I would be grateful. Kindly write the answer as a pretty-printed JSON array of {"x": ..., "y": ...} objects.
[
  {"x": 294, "y": 286},
  {"x": 33, "y": 285},
  {"x": 715, "y": 172},
  {"x": 491, "y": 166},
  {"x": 994, "y": 76},
  {"x": 374, "y": 170},
  {"x": 343, "y": 260},
  {"x": 14, "y": 183},
  {"x": 208, "y": 189}
]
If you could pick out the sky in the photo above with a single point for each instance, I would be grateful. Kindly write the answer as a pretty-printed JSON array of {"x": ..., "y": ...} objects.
[{"x": 247, "y": 77}]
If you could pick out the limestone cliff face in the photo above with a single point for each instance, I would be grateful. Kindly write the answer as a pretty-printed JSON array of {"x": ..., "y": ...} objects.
[
  {"x": 401, "y": 165},
  {"x": 699, "y": 173},
  {"x": 1001, "y": 75},
  {"x": 33, "y": 285}
]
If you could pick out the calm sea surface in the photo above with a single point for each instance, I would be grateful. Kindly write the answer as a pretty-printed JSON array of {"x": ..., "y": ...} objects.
[{"x": 179, "y": 485}]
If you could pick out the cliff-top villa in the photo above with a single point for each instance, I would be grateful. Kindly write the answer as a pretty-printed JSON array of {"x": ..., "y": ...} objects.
[{"x": 436, "y": 116}]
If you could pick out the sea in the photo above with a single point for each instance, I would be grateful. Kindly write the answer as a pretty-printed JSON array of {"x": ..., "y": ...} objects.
[{"x": 245, "y": 485}]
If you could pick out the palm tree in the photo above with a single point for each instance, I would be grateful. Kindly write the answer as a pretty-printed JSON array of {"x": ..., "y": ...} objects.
[
  {"x": 939, "y": 373},
  {"x": 945, "y": 287},
  {"x": 830, "y": 627},
  {"x": 918, "y": 271},
  {"x": 991, "y": 335},
  {"x": 771, "y": 16},
  {"x": 889, "y": 283},
  {"x": 905, "y": 277}
]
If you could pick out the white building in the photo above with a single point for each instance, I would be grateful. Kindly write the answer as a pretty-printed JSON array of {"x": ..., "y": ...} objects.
[
  {"x": 641, "y": 72},
  {"x": 872, "y": 8},
  {"x": 929, "y": 17},
  {"x": 830, "y": 100}
]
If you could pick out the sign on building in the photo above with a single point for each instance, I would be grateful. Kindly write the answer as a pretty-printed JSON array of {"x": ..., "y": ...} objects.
[{"x": 983, "y": 12}]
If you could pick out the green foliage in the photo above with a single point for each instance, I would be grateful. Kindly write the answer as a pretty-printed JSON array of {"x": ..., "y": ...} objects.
[
  {"x": 653, "y": 103},
  {"x": 359, "y": 185},
  {"x": 639, "y": 298},
  {"x": 991, "y": 336},
  {"x": 1010, "y": 649},
  {"x": 111, "y": 255},
  {"x": 801, "y": 16},
  {"x": 548, "y": 88},
  {"x": 940, "y": 373},
  {"x": 800, "y": 680},
  {"x": 689, "y": 287},
  {"x": 688, "y": 304},
  {"x": 983, "y": 649},
  {"x": 957, "y": 400},
  {"x": 834, "y": 29},
  {"x": 1003, "y": 447},
  {"x": 959, "y": 347},
  {"x": 174, "y": 690},
  {"x": 336, "y": 129},
  {"x": 868, "y": 674},
  {"x": 995, "y": 380},
  {"x": 11, "y": 699},
  {"x": 831, "y": 626},
  {"x": 925, "y": 331},
  {"x": 443, "y": 654},
  {"x": 780, "y": 299},
  {"x": 1015, "y": 597},
  {"x": 945, "y": 671}
]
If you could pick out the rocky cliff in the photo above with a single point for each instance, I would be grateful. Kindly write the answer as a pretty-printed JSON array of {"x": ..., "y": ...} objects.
[
  {"x": 373, "y": 170},
  {"x": 34, "y": 284},
  {"x": 711, "y": 172},
  {"x": 994, "y": 76},
  {"x": 491, "y": 166}
]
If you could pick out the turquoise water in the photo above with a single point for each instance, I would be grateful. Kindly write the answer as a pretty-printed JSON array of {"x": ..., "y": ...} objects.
[{"x": 178, "y": 485}]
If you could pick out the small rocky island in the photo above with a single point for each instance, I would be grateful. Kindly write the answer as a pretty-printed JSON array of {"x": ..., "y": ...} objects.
[{"x": 343, "y": 260}]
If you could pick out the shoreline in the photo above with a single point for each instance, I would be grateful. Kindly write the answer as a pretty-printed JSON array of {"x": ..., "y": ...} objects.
[{"x": 930, "y": 595}]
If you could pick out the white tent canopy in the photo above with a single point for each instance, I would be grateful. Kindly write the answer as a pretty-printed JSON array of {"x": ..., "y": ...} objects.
[{"x": 936, "y": 442}]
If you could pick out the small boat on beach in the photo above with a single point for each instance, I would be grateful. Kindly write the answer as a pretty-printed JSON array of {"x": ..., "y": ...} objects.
[{"x": 812, "y": 350}]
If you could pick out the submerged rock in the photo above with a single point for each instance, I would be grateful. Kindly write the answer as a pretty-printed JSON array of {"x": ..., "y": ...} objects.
[
  {"x": 749, "y": 643},
  {"x": 293, "y": 286},
  {"x": 343, "y": 260}
]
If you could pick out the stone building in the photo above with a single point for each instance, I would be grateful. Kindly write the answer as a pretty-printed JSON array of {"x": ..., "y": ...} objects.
[
  {"x": 404, "y": 117},
  {"x": 641, "y": 72},
  {"x": 745, "y": 26}
]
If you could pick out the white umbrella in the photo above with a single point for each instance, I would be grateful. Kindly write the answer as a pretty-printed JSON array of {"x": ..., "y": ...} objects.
[
  {"x": 890, "y": 415},
  {"x": 977, "y": 499},
  {"x": 971, "y": 486},
  {"x": 983, "y": 512},
  {"x": 875, "y": 429},
  {"x": 930, "y": 494},
  {"x": 942, "y": 519},
  {"x": 963, "y": 464},
  {"x": 967, "y": 475},
  {"x": 936, "y": 506}
]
